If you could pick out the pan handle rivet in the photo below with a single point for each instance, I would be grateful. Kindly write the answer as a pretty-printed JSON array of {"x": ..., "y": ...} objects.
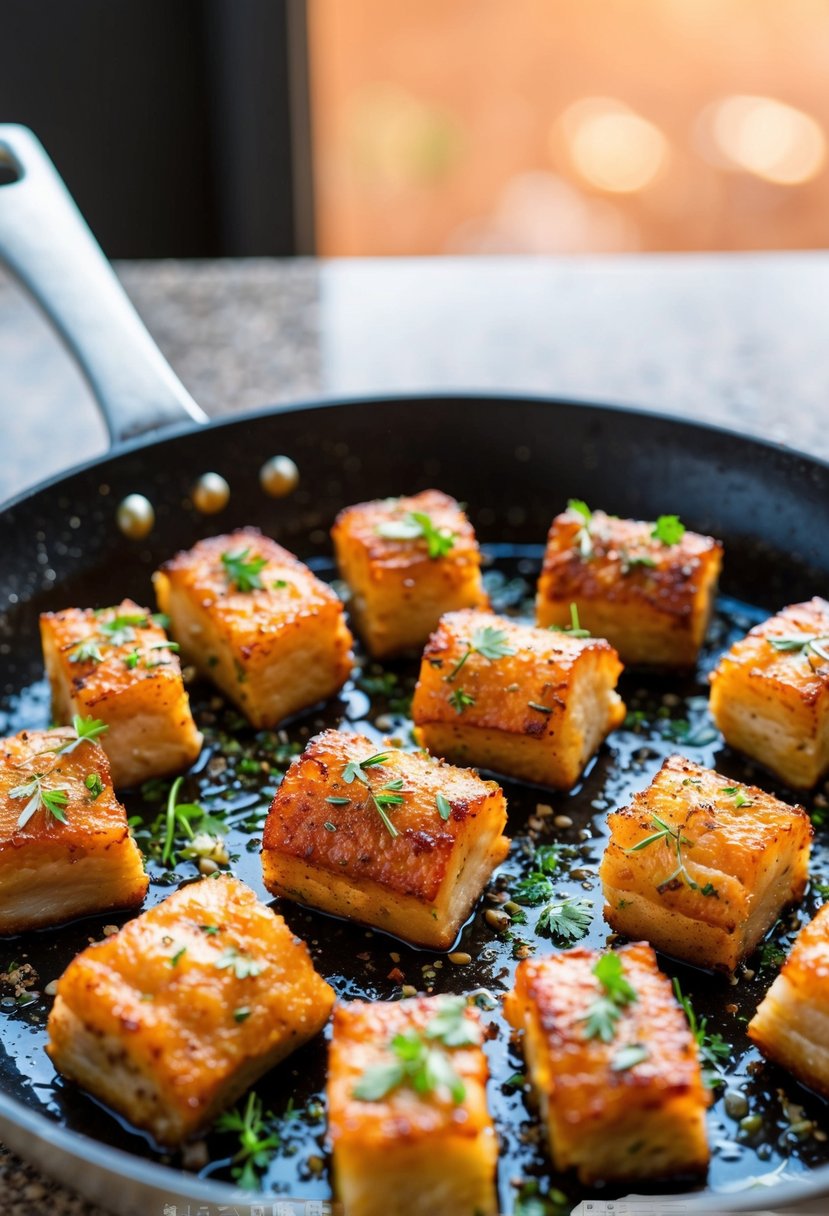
[
  {"x": 210, "y": 494},
  {"x": 279, "y": 476},
  {"x": 135, "y": 516}
]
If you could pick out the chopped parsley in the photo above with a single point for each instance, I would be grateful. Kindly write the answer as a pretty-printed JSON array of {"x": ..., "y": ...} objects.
[
  {"x": 258, "y": 1140},
  {"x": 616, "y": 994},
  {"x": 669, "y": 529},
  {"x": 584, "y": 537},
  {"x": 629, "y": 1056},
  {"x": 242, "y": 965},
  {"x": 95, "y": 785},
  {"x": 567, "y": 918},
  {"x": 733, "y": 791},
  {"x": 417, "y": 525},
  {"x": 243, "y": 571},
  {"x": 420, "y": 1059},
  {"x": 87, "y": 651}
]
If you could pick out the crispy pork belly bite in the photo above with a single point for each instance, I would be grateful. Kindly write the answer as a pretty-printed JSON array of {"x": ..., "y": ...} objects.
[
  {"x": 257, "y": 622},
  {"x": 770, "y": 694},
  {"x": 647, "y": 587},
  {"x": 530, "y": 703},
  {"x": 65, "y": 850},
  {"x": 171, "y": 1019},
  {"x": 791, "y": 1026},
  {"x": 394, "y": 839},
  {"x": 117, "y": 664},
  {"x": 700, "y": 867},
  {"x": 408, "y": 1119},
  {"x": 407, "y": 561},
  {"x": 613, "y": 1064}
]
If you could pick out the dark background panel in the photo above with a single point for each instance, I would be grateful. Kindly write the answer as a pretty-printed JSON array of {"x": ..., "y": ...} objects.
[{"x": 170, "y": 122}]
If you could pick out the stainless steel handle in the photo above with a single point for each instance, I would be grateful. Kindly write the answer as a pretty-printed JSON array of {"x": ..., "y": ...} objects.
[{"x": 46, "y": 242}]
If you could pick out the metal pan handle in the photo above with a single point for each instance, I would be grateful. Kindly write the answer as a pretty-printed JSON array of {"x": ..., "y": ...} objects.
[{"x": 46, "y": 242}]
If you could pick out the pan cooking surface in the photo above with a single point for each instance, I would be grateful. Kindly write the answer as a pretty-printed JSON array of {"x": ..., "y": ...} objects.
[{"x": 235, "y": 778}]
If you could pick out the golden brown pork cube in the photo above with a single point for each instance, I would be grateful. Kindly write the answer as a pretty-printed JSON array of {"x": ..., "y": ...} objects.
[
  {"x": 170, "y": 1020},
  {"x": 407, "y": 561}
]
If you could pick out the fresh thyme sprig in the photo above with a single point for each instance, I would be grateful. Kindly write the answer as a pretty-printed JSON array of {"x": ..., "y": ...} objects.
[
  {"x": 243, "y": 571},
  {"x": 117, "y": 631},
  {"x": 417, "y": 525},
  {"x": 387, "y": 796},
  {"x": 489, "y": 642},
  {"x": 616, "y": 994},
  {"x": 665, "y": 833},
  {"x": 713, "y": 1048},
  {"x": 53, "y": 801},
  {"x": 258, "y": 1140},
  {"x": 422, "y": 1059},
  {"x": 803, "y": 643}
]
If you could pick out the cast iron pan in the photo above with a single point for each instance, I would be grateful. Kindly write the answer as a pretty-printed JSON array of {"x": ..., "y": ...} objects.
[{"x": 515, "y": 461}]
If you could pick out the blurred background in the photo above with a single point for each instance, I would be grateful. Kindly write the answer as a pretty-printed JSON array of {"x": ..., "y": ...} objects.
[{"x": 207, "y": 128}]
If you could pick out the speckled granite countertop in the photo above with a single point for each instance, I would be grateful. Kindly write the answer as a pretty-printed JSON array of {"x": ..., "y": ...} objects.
[{"x": 740, "y": 340}]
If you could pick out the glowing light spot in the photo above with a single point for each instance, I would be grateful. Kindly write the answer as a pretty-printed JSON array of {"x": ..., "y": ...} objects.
[
  {"x": 611, "y": 146},
  {"x": 768, "y": 138}
]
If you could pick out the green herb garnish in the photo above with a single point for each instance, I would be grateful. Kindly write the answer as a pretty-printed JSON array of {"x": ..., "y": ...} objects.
[
  {"x": 803, "y": 643},
  {"x": 87, "y": 651},
  {"x": 669, "y": 529},
  {"x": 616, "y": 994},
  {"x": 444, "y": 806},
  {"x": 574, "y": 628},
  {"x": 387, "y": 796},
  {"x": 53, "y": 801},
  {"x": 417, "y": 525},
  {"x": 244, "y": 571},
  {"x": 95, "y": 785},
  {"x": 489, "y": 642},
  {"x": 242, "y": 965},
  {"x": 713, "y": 1048},
  {"x": 567, "y": 918},
  {"x": 584, "y": 537},
  {"x": 629, "y": 1056},
  {"x": 665, "y": 833},
  {"x": 460, "y": 700},
  {"x": 420, "y": 1059},
  {"x": 733, "y": 791},
  {"x": 258, "y": 1141},
  {"x": 86, "y": 730}
]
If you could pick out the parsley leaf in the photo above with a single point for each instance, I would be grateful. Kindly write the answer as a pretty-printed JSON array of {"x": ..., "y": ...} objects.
[
  {"x": 87, "y": 651},
  {"x": 416, "y": 1061},
  {"x": 616, "y": 994},
  {"x": 244, "y": 571},
  {"x": 669, "y": 529},
  {"x": 567, "y": 918},
  {"x": 258, "y": 1141},
  {"x": 584, "y": 538},
  {"x": 417, "y": 525},
  {"x": 86, "y": 730}
]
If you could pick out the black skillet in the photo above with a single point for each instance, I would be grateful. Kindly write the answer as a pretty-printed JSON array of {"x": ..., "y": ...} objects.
[{"x": 515, "y": 461}]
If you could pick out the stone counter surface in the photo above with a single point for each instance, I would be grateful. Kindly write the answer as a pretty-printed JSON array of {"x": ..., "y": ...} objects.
[{"x": 739, "y": 340}]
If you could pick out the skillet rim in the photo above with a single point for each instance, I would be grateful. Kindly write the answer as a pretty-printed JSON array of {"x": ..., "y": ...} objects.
[
  {"x": 76, "y": 1148},
  {"x": 541, "y": 400}
]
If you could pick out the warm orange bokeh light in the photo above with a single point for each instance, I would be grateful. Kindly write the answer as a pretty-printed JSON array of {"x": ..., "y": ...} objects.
[{"x": 544, "y": 126}]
